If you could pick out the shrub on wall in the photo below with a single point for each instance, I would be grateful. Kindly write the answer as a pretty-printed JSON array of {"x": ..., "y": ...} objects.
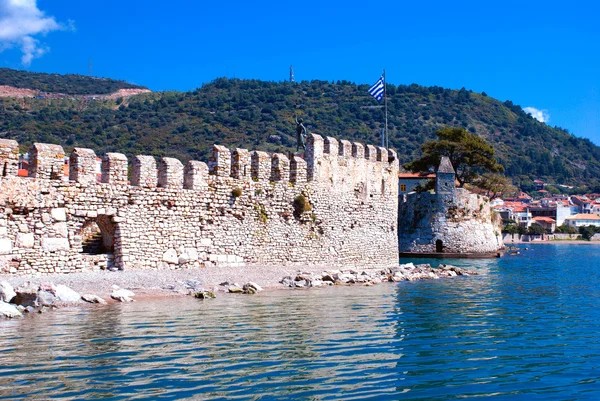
[
  {"x": 300, "y": 205},
  {"x": 236, "y": 192}
]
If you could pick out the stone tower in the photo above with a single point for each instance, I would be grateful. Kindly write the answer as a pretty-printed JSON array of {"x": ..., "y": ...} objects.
[{"x": 444, "y": 182}]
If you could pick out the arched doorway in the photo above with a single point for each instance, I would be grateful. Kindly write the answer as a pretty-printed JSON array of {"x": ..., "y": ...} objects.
[
  {"x": 439, "y": 246},
  {"x": 98, "y": 236},
  {"x": 98, "y": 242}
]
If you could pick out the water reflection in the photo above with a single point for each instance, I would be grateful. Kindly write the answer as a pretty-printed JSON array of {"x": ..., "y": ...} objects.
[{"x": 507, "y": 331}]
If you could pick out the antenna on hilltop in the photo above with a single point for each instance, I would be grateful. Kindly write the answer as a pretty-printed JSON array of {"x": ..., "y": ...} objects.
[
  {"x": 90, "y": 67},
  {"x": 291, "y": 73}
]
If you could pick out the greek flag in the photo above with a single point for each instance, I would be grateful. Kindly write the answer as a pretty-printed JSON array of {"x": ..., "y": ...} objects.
[{"x": 377, "y": 90}]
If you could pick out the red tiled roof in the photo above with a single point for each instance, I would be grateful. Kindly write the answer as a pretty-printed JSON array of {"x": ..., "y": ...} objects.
[
  {"x": 544, "y": 219},
  {"x": 23, "y": 173},
  {"x": 416, "y": 175}
]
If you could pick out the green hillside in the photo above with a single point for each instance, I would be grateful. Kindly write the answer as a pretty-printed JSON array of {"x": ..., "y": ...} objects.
[
  {"x": 260, "y": 115},
  {"x": 70, "y": 84}
]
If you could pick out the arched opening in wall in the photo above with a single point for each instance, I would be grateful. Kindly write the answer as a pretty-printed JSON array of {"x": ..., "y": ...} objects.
[
  {"x": 439, "y": 246},
  {"x": 98, "y": 240}
]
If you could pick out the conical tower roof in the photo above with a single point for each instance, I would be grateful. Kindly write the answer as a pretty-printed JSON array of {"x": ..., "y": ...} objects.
[{"x": 445, "y": 166}]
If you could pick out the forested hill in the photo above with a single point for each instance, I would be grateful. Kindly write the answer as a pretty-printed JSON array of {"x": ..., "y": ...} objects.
[
  {"x": 70, "y": 84},
  {"x": 260, "y": 115}
]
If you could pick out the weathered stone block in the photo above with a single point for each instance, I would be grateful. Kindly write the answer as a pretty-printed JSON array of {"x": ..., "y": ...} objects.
[
  {"x": 59, "y": 214},
  {"x": 25, "y": 240},
  {"x": 370, "y": 153},
  {"x": 114, "y": 168},
  {"x": 261, "y": 166},
  {"x": 331, "y": 146},
  {"x": 195, "y": 175},
  {"x": 297, "y": 170},
  {"x": 382, "y": 155},
  {"x": 219, "y": 163},
  {"x": 60, "y": 230},
  {"x": 358, "y": 150},
  {"x": 82, "y": 166},
  {"x": 314, "y": 154},
  {"x": 5, "y": 246},
  {"x": 9, "y": 157},
  {"x": 46, "y": 161},
  {"x": 55, "y": 244},
  {"x": 280, "y": 170},
  {"x": 241, "y": 164},
  {"x": 170, "y": 173},
  {"x": 143, "y": 173},
  {"x": 345, "y": 148},
  {"x": 170, "y": 256}
]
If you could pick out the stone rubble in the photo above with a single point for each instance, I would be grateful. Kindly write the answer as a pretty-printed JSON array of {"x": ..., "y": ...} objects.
[
  {"x": 9, "y": 310},
  {"x": 93, "y": 299},
  {"x": 29, "y": 299},
  {"x": 7, "y": 293},
  {"x": 122, "y": 294},
  {"x": 405, "y": 272}
]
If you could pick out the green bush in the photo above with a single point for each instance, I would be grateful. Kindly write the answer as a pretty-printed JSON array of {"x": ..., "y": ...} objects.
[
  {"x": 301, "y": 205},
  {"x": 536, "y": 229},
  {"x": 236, "y": 192},
  {"x": 587, "y": 232}
]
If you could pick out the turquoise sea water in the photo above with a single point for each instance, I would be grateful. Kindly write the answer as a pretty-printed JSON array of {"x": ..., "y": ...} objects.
[{"x": 526, "y": 328}]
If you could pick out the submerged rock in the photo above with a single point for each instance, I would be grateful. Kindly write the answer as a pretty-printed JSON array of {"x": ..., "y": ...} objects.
[
  {"x": 26, "y": 296},
  {"x": 93, "y": 299},
  {"x": 45, "y": 298},
  {"x": 404, "y": 272},
  {"x": 7, "y": 292},
  {"x": 252, "y": 288},
  {"x": 9, "y": 310},
  {"x": 205, "y": 294},
  {"x": 65, "y": 294},
  {"x": 235, "y": 289},
  {"x": 122, "y": 295}
]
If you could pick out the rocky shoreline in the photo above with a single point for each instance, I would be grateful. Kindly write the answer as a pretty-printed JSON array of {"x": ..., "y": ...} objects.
[{"x": 19, "y": 295}]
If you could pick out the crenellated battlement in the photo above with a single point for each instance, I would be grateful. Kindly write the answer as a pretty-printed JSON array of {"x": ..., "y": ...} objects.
[
  {"x": 238, "y": 208},
  {"x": 325, "y": 160}
]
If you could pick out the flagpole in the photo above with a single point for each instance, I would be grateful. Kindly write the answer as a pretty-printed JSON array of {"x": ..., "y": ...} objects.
[{"x": 387, "y": 141}]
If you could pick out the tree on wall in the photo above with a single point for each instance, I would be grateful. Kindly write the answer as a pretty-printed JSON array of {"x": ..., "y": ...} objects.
[
  {"x": 469, "y": 154},
  {"x": 495, "y": 185}
]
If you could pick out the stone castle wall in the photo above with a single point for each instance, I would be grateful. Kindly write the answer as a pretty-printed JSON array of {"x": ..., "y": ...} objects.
[
  {"x": 240, "y": 208},
  {"x": 464, "y": 224}
]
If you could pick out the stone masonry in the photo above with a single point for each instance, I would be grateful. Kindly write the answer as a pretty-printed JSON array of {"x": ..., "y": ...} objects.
[
  {"x": 240, "y": 209},
  {"x": 452, "y": 220}
]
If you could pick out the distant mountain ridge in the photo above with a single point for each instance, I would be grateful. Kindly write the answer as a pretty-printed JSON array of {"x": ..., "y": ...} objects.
[
  {"x": 259, "y": 115},
  {"x": 70, "y": 84}
]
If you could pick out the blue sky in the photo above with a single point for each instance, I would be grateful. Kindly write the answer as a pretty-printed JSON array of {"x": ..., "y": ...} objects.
[{"x": 539, "y": 54}]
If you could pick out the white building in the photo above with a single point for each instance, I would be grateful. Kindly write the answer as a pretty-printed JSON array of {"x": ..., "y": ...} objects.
[{"x": 580, "y": 220}]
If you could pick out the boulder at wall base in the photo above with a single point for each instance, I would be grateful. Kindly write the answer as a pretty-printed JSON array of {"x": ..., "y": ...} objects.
[
  {"x": 170, "y": 256},
  {"x": 235, "y": 289},
  {"x": 204, "y": 294},
  {"x": 8, "y": 310},
  {"x": 7, "y": 292},
  {"x": 45, "y": 298},
  {"x": 93, "y": 299},
  {"x": 26, "y": 297},
  {"x": 65, "y": 294},
  {"x": 252, "y": 285},
  {"x": 122, "y": 295}
]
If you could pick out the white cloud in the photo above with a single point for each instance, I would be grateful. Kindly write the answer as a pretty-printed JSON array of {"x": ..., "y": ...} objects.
[
  {"x": 20, "y": 21},
  {"x": 540, "y": 115}
]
